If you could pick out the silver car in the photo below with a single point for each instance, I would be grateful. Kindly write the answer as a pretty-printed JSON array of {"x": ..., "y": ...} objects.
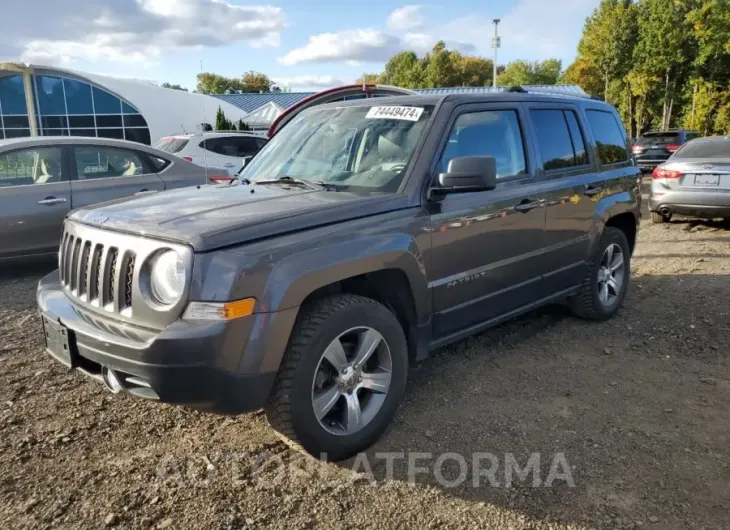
[
  {"x": 43, "y": 178},
  {"x": 694, "y": 181}
]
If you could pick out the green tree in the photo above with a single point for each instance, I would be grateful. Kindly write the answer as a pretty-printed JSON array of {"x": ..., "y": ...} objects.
[
  {"x": 256, "y": 82},
  {"x": 243, "y": 126},
  {"x": 369, "y": 78},
  {"x": 441, "y": 67},
  {"x": 531, "y": 73},
  {"x": 217, "y": 84},
  {"x": 584, "y": 74},
  {"x": 608, "y": 41},
  {"x": 221, "y": 122},
  {"x": 404, "y": 70},
  {"x": 173, "y": 87},
  {"x": 666, "y": 49}
]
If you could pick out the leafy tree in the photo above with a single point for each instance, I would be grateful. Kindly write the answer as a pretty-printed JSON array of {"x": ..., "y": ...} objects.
[
  {"x": 584, "y": 74},
  {"x": 531, "y": 73},
  {"x": 256, "y": 82},
  {"x": 405, "y": 70},
  {"x": 441, "y": 67},
  {"x": 609, "y": 38},
  {"x": 217, "y": 84},
  {"x": 174, "y": 87},
  {"x": 243, "y": 126},
  {"x": 369, "y": 78},
  {"x": 665, "y": 48}
]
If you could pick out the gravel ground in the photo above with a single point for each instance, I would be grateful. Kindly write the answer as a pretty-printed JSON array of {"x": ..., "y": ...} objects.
[{"x": 631, "y": 415}]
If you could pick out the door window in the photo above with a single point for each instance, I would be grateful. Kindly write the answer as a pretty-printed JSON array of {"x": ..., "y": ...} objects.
[
  {"x": 559, "y": 139},
  {"x": 40, "y": 165},
  {"x": 94, "y": 162},
  {"x": 494, "y": 133},
  {"x": 610, "y": 137}
]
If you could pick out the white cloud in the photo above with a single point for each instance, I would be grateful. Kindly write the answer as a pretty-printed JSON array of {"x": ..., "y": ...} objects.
[
  {"x": 533, "y": 30},
  {"x": 302, "y": 82},
  {"x": 406, "y": 18},
  {"x": 351, "y": 45},
  {"x": 131, "y": 31}
]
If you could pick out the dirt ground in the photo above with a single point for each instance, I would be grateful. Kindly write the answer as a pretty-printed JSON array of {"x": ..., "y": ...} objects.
[{"x": 633, "y": 412}]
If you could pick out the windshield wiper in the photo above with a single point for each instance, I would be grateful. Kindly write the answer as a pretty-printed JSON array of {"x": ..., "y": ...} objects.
[
  {"x": 329, "y": 186},
  {"x": 288, "y": 180}
]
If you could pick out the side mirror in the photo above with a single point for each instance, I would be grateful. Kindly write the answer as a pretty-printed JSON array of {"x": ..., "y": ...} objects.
[{"x": 468, "y": 174}]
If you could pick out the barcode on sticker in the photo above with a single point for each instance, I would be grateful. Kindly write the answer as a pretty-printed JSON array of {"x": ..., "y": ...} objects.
[{"x": 395, "y": 113}]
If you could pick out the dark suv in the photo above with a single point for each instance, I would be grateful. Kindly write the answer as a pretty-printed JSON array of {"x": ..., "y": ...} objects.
[
  {"x": 655, "y": 148},
  {"x": 364, "y": 235}
]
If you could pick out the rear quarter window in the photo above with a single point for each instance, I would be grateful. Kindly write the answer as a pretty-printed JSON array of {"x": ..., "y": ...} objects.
[
  {"x": 609, "y": 135},
  {"x": 172, "y": 145}
]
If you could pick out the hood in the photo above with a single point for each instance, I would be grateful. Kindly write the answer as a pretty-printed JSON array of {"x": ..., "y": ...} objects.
[{"x": 210, "y": 217}]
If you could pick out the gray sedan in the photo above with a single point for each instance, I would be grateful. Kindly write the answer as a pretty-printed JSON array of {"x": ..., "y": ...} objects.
[
  {"x": 694, "y": 181},
  {"x": 43, "y": 178}
]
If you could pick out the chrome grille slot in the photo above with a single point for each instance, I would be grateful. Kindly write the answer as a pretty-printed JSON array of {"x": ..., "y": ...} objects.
[
  {"x": 67, "y": 260},
  {"x": 62, "y": 256},
  {"x": 84, "y": 269},
  {"x": 74, "y": 272},
  {"x": 109, "y": 277},
  {"x": 95, "y": 273},
  {"x": 128, "y": 278}
]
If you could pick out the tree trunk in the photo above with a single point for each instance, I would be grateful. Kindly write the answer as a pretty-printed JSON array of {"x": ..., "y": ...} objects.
[{"x": 666, "y": 102}]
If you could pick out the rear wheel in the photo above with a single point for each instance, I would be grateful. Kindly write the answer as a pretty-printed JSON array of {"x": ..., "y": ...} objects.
[
  {"x": 606, "y": 283},
  {"x": 342, "y": 378},
  {"x": 657, "y": 217}
]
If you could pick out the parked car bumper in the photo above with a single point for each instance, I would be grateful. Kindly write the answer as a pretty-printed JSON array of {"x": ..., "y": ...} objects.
[
  {"x": 649, "y": 164},
  {"x": 197, "y": 364},
  {"x": 695, "y": 203}
]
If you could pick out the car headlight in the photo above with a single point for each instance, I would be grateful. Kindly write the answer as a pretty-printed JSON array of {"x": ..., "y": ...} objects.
[{"x": 167, "y": 277}]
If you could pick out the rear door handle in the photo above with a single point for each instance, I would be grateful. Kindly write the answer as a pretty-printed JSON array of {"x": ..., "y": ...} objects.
[
  {"x": 527, "y": 205},
  {"x": 48, "y": 201},
  {"x": 230, "y": 165},
  {"x": 592, "y": 190}
]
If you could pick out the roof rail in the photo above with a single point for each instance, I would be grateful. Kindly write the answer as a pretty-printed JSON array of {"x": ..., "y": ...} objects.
[{"x": 521, "y": 90}]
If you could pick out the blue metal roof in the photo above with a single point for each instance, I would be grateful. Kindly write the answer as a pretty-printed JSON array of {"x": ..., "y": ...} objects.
[{"x": 250, "y": 102}]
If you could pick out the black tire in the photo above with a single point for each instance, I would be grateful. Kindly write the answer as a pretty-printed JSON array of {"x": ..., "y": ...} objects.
[
  {"x": 658, "y": 218},
  {"x": 587, "y": 304},
  {"x": 290, "y": 410}
]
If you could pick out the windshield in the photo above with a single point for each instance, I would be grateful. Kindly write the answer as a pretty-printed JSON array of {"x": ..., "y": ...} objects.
[
  {"x": 707, "y": 148},
  {"x": 359, "y": 147}
]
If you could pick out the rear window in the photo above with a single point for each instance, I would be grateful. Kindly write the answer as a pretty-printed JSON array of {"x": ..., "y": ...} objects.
[
  {"x": 659, "y": 138},
  {"x": 719, "y": 148},
  {"x": 610, "y": 138},
  {"x": 172, "y": 144}
]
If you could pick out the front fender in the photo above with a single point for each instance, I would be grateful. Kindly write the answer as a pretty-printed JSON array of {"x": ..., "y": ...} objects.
[{"x": 295, "y": 277}]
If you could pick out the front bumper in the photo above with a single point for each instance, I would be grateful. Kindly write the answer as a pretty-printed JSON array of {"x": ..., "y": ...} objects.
[
  {"x": 694, "y": 203},
  {"x": 220, "y": 367}
]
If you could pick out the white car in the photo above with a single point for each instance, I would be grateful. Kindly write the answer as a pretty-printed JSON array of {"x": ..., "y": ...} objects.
[{"x": 226, "y": 151}]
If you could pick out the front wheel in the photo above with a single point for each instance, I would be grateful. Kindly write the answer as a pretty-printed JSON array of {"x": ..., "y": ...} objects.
[
  {"x": 342, "y": 377},
  {"x": 606, "y": 283}
]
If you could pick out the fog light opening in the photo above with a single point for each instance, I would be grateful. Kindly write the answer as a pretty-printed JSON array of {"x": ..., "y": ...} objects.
[{"x": 112, "y": 381}]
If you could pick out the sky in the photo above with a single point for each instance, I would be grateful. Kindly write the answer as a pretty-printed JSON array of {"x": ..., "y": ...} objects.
[{"x": 300, "y": 44}]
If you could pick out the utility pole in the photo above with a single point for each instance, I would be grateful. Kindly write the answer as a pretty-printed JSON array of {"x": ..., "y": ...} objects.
[{"x": 495, "y": 44}]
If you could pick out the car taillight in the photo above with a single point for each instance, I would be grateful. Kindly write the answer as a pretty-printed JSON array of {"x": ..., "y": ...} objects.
[
  {"x": 221, "y": 179},
  {"x": 188, "y": 158},
  {"x": 660, "y": 173},
  {"x": 672, "y": 148},
  {"x": 637, "y": 149}
]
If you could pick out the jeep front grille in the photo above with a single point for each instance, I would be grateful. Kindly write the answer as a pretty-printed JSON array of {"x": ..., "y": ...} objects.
[
  {"x": 93, "y": 272},
  {"x": 105, "y": 273}
]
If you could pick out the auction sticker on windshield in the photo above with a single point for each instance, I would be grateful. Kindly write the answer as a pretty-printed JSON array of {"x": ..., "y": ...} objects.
[{"x": 395, "y": 113}]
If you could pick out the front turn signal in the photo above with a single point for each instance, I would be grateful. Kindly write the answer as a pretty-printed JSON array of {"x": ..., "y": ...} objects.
[{"x": 219, "y": 310}]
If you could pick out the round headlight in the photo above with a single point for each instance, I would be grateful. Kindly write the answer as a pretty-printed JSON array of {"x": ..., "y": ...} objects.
[{"x": 167, "y": 277}]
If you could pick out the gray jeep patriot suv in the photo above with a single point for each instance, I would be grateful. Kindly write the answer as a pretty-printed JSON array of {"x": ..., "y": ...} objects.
[{"x": 363, "y": 235}]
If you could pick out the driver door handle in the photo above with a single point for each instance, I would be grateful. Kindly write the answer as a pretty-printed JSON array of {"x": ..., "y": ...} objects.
[
  {"x": 48, "y": 201},
  {"x": 527, "y": 205}
]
